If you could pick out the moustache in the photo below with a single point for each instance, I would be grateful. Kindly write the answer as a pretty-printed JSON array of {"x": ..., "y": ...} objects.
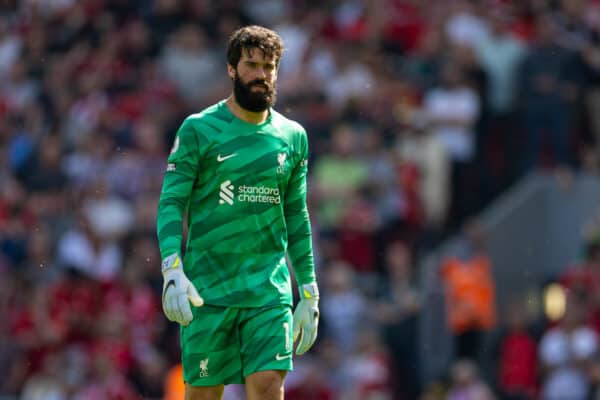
[{"x": 260, "y": 84}]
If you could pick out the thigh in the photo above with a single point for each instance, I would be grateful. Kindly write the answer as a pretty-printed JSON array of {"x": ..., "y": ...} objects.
[
  {"x": 203, "y": 392},
  {"x": 266, "y": 339},
  {"x": 210, "y": 350},
  {"x": 265, "y": 385}
]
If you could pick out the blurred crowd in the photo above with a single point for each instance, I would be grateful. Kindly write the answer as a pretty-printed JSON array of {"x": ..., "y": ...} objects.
[{"x": 419, "y": 114}]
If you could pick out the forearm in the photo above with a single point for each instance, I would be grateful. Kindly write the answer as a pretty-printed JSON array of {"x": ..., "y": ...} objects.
[
  {"x": 300, "y": 248},
  {"x": 169, "y": 225}
]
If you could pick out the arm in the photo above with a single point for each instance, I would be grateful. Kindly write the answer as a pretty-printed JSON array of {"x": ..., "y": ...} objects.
[
  {"x": 306, "y": 314},
  {"x": 298, "y": 222},
  {"x": 182, "y": 169}
]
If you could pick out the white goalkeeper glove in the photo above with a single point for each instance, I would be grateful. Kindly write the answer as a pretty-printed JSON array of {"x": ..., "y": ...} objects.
[
  {"x": 178, "y": 292},
  {"x": 306, "y": 317}
]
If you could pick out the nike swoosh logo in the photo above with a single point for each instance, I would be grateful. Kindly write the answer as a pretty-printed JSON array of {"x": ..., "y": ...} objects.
[
  {"x": 279, "y": 357},
  {"x": 170, "y": 283},
  {"x": 221, "y": 159}
]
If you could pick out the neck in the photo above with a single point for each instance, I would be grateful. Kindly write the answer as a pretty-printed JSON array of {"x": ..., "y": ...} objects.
[{"x": 245, "y": 115}]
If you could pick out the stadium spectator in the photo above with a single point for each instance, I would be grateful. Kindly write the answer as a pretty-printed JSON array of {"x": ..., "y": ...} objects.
[
  {"x": 548, "y": 83},
  {"x": 397, "y": 310},
  {"x": 416, "y": 147},
  {"x": 582, "y": 279},
  {"x": 452, "y": 109},
  {"x": 500, "y": 55},
  {"x": 310, "y": 385},
  {"x": 516, "y": 354},
  {"x": 187, "y": 58},
  {"x": 566, "y": 352},
  {"x": 466, "y": 383},
  {"x": 470, "y": 293},
  {"x": 337, "y": 176},
  {"x": 344, "y": 309},
  {"x": 367, "y": 369}
]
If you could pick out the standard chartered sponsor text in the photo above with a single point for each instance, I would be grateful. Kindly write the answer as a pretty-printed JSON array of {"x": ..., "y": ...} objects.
[{"x": 258, "y": 194}]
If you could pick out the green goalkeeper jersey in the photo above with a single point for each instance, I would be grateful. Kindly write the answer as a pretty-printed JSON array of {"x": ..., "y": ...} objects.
[{"x": 243, "y": 188}]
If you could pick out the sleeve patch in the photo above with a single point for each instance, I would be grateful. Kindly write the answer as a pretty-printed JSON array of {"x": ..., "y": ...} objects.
[{"x": 175, "y": 145}]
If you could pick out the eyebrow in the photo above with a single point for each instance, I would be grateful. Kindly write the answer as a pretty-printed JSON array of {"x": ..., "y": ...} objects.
[
  {"x": 271, "y": 63},
  {"x": 250, "y": 52}
]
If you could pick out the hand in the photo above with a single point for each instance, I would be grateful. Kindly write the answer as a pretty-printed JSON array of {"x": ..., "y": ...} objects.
[
  {"x": 178, "y": 292},
  {"x": 306, "y": 317}
]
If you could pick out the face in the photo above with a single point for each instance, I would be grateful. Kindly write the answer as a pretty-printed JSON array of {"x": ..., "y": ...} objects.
[{"x": 254, "y": 80}]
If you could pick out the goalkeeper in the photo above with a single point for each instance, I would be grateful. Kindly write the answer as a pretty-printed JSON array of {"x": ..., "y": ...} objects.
[{"x": 238, "y": 169}]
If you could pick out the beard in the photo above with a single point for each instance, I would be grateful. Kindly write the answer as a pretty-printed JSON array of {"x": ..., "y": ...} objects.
[{"x": 255, "y": 101}]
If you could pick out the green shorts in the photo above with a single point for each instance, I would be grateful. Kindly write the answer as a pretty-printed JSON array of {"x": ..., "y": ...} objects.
[{"x": 224, "y": 345}]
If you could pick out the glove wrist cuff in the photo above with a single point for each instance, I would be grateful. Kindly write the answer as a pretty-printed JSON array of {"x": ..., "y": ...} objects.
[
  {"x": 170, "y": 263},
  {"x": 309, "y": 291}
]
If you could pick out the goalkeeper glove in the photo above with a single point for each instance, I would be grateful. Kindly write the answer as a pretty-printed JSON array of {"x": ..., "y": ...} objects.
[
  {"x": 178, "y": 292},
  {"x": 306, "y": 317}
]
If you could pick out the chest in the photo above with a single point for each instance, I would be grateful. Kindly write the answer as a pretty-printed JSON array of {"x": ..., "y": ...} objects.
[{"x": 259, "y": 157}]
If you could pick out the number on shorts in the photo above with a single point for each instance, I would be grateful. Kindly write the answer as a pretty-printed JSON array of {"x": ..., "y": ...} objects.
[{"x": 286, "y": 328}]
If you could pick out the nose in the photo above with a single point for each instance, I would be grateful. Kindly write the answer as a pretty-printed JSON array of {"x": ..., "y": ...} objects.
[{"x": 261, "y": 72}]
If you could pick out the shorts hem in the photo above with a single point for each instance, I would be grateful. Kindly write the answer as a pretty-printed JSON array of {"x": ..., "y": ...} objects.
[
  {"x": 268, "y": 368},
  {"x": 206, "y": 383}
]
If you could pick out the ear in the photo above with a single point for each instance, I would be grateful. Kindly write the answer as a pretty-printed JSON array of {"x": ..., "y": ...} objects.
[{"x": 230, "y": 71}]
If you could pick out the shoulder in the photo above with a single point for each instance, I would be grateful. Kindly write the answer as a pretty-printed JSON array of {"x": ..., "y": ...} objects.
[
  {"x": 288, "y": 125},
  {"x": 293, "y": 133},
  {"x": 211, "y": 119}
]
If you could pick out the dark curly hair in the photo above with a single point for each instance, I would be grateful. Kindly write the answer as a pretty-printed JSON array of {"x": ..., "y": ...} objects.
[{"x": 254, "y": 36}]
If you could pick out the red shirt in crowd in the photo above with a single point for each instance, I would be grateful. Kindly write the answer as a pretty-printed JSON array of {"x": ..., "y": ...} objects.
[{"x": 518, "y": 363}]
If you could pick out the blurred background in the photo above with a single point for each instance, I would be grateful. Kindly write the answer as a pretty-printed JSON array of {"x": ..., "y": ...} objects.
[{"x": 453, "y": 189}]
